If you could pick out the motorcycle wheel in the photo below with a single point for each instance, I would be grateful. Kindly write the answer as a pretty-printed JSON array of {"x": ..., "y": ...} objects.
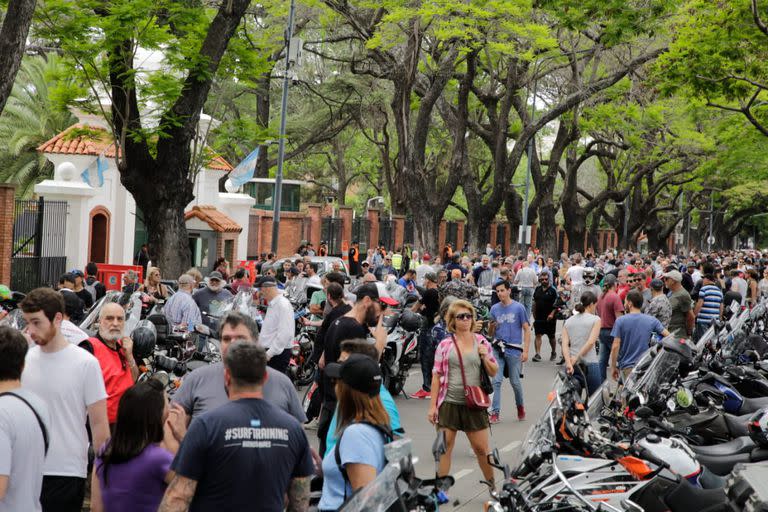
[
  {"x": 396, "y": 384},
  {"x": 306, "y": 374}
]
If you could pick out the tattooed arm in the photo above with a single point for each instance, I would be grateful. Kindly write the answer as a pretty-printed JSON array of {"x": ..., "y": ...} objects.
[
  {"x": 179, "y": 495},
  {"x": 298, "y": 495}
]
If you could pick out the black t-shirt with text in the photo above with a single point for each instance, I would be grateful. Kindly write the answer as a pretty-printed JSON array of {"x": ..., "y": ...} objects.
[
  {"x": 243, "y": 456},
  {"x": 344, "y": 328}
]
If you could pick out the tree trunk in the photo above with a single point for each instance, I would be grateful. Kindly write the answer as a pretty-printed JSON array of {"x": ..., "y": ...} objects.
[
  {"x": 13, "y": 39},
  {"x": 575, "y": 225},
  {"x": 546, "y": 238},
  {"x": 168, "y": 239},
  {"x": 477, "y": 230},
  {"x": 513, "y": 210},
  {"x": 426, "y": 228}
]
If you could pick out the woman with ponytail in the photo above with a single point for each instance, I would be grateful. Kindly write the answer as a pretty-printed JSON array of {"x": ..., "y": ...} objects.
[{"x": 580, "y": 333}]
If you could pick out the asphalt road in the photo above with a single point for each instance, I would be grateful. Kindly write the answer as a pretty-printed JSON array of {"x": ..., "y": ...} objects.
[{"x": 468, "y": 493}]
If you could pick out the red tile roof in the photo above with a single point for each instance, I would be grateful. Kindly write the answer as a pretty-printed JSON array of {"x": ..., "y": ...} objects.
[
  {"x": 80, "y": 139},
  {"x": 218, "y": 221}
]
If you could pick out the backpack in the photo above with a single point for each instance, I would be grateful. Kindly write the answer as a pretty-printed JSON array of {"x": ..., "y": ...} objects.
[
  {"x": 91, "y": 288},
  {"x": 388, "y": 438}
]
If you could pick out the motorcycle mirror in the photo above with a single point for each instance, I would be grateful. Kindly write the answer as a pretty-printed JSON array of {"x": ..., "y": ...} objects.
[
  {"x": 439, "y": 446},
  {"x": 643, "y": 412}
]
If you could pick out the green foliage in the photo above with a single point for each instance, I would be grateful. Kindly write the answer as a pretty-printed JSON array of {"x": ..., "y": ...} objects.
[{"x": 30, "y": 118}]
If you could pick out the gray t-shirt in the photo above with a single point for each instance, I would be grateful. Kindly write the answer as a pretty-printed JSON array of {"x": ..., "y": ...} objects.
[
  {"x": 22, "y": 450},
  {"x": 203, "y": 390},
  {"x": 579, "y": 327}
]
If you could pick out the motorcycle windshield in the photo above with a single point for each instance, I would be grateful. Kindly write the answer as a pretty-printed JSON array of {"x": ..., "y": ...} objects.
[
  {"x": 540, "y": 436},
  {"x": 397, "y": 292},
  {"x": 378, "y": 495},
  {"x": 662, "y": 370}
]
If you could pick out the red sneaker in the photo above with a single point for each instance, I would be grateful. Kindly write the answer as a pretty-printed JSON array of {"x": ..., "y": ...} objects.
[
  {"x": 494, "y": 418},
  {"x": 421, "y": 394},
  {"x": 520, "y": 412}
]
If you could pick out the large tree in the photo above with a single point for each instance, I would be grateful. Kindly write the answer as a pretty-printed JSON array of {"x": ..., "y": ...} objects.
[
  {"x": 153, "y": 113},
  {"x": 13, "y": 40}
]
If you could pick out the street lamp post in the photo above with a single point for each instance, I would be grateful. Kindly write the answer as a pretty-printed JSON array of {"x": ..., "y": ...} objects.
[{"x": 278, "y": 193}]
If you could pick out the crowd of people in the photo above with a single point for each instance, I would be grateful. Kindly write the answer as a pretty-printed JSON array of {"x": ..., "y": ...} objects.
[{"x": 234, "y": 434}]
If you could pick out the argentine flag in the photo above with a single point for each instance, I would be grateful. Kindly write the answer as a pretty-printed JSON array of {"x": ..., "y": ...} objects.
[
  {"x": 243, "y": 173},
  {"x": 93, "y": 175}
]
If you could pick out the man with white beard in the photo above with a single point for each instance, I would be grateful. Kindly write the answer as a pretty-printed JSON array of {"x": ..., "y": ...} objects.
[
  {"x": 114, "y": 351},
  {"x": 211, "y": 298}
]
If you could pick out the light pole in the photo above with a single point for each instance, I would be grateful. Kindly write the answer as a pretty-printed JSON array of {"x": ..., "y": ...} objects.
[{"x": 278, "y": 193}]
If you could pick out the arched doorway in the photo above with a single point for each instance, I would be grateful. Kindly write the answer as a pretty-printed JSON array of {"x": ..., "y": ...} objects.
[{"x": 99, "y": 235}]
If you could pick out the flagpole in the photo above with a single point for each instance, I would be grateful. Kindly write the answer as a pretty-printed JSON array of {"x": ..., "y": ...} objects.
[{"x": 277, "y": 196}]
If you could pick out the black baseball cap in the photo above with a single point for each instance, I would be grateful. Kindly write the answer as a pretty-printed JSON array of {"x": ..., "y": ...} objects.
[
  {"x": 359, "y": 372},
  {"x": 372, "y": 290}
]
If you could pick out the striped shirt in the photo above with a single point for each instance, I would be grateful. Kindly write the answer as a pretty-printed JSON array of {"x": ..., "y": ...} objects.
[{"x": 712, "y": 298}]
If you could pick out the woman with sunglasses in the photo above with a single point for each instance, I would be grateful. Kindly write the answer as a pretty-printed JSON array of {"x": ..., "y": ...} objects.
[
  {"x": 448, "y": 408},
  {"x": 132, "y": 469},
  {"x": 153, "y": 287}
]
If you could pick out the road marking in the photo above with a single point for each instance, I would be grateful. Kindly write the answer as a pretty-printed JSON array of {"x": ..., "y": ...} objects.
[
  {"x": 511, "y": 446},
  {"x": 462, "y": 473}
]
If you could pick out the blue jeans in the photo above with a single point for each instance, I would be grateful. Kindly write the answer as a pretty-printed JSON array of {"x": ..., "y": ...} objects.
[
  {"x": 526, "y": 299},
  {"x": 590, "y": 372},
  {"x": 511, "y": 358},
  {"x": 606, "y": 342},
  {"x": 426, "y": 357}
]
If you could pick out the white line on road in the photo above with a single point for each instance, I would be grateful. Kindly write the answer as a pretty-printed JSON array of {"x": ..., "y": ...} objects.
[
  {"x": 511, "y": 446},
  {"x": 462, "y": 473}
]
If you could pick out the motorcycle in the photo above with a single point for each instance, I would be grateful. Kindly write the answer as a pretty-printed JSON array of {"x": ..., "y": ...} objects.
[
  {"x": 301, "y": 368},
  {"x": 400, "y": 352}
]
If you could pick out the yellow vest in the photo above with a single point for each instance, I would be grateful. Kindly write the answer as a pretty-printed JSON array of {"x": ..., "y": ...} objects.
[{"x": 397, "y": 261}]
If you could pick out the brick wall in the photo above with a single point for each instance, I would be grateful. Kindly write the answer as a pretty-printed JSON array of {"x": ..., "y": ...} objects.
[
  {"x": 399, "y": 230},
  {"x": 373, "y": 234},
  {"x": 7, "y": 197},
  {"x": 290, "y": 236}
]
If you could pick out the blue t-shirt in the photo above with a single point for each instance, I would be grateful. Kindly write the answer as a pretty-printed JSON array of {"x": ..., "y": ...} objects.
[
  {"x": 243, "y": 455},
  {"x": 389, "y": 405},
  {"x": 635, "y": 331},
  {"x": 361, "y": 444},
  {"x": 509, "y": 322}
]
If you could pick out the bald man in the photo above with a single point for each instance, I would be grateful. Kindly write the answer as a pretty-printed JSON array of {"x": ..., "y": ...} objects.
[{"x": 114, "y": 351}]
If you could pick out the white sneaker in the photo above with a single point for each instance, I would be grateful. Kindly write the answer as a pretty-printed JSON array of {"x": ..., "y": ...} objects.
[{"x": 312, "y": 425}]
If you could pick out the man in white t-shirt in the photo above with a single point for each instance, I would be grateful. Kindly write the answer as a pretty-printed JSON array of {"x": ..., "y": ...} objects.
[
  {"x": 69, "y": 381},
  {"x": 576, "y": 271},
  {"x": 24, "y": 428}
]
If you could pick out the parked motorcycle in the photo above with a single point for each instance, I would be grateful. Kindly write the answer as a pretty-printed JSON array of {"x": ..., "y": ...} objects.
[{"x": 400, "y": 352}]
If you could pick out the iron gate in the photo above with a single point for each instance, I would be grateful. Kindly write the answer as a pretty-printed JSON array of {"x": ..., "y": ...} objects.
[
  {"x": 408, "y": 235},
  {"x": 501, "y": 236},
  {"x": 361, "y": 229},
  {"x": 386, "y": 231},
  {"x": 332, "y": 233},
  {"x": 39, "y": 236},
  {"x": 452, "y": 234}
]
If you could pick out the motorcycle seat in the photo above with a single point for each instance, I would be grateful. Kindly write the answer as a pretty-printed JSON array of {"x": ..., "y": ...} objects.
[
  {"x": 737, "y": 425},
  {"x": 751, "y": 405},
  {"x": 722, "y": 464},
  {"x": 737, "y": 446}
]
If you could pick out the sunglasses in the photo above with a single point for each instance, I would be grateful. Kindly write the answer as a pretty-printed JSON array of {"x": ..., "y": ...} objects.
[{"x": 465, "y": 316}]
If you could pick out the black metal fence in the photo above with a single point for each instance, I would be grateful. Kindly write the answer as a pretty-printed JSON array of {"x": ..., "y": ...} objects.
[
  {"x": 501, "y": 235},
  {"x": 387, "y": 233},
  {"x": 408, "y": 233},
  {"x": 39, "y": 237},
  {"x": 331, "y": 235},
  {"x": 361, "y": 229},
  {"x": 452, "y": 233}
]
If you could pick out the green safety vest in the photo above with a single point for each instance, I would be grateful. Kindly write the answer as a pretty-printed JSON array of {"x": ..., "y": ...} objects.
[{"x": 397, "y": 261}]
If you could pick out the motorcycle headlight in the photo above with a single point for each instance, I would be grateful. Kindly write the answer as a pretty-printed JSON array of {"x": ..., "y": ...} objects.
[{"x": 295, "y": 350}]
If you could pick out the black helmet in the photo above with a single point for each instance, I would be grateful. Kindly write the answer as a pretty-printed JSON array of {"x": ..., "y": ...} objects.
[
  {"x": 758, "y": 427},
  {"x": 144, "y": 337},
  {"x": 410, "y": 321}
]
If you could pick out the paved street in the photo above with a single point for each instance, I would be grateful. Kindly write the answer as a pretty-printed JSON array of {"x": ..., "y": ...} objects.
[{"x": 469, "y": 493}]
